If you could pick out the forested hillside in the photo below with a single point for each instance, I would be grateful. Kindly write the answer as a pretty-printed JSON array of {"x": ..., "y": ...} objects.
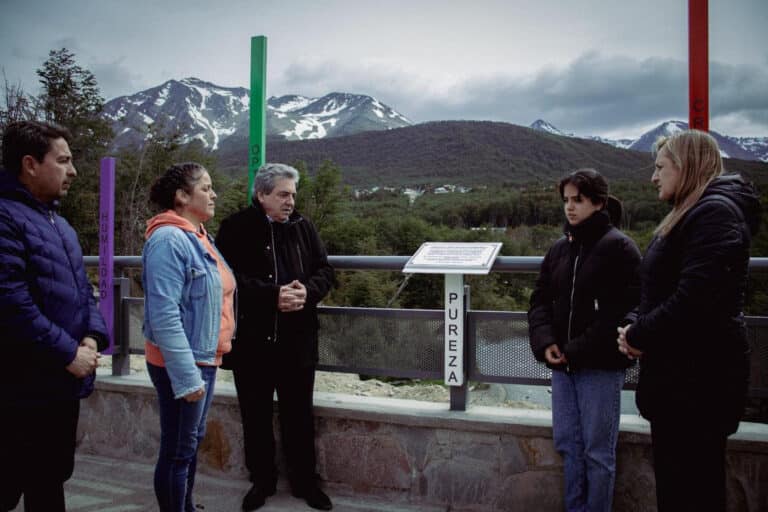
[{"x": 467, "y": 153}]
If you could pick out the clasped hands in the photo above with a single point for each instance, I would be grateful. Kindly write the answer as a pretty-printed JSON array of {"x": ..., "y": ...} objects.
[
  {"x": 86, "y": 360},
  {"x": 555, "y": 356},
  {"x": 624, "y": 346},
  {"x": 292, "y": 297}
]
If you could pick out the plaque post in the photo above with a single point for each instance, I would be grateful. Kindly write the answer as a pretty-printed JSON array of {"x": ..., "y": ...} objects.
[
  {"x": 454, "y": 260},
  {"x": 454, "y": 330}
]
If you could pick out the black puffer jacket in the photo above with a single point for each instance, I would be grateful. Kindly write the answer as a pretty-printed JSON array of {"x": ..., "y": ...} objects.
[
  {"x": 580, "y": 313},
  {"x": 689, "y": 323},
  {"x": 265, "y": 335}
]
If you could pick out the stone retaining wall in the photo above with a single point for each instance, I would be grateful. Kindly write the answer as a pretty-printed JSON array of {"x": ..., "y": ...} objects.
[{"x": 486, "y": 459}]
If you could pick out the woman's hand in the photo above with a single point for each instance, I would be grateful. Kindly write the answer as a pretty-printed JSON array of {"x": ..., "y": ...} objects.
[
  {"x": 553, "y": 355},
  {"x": 624, "y": 346},
  {"x": 195, "y": 395}
]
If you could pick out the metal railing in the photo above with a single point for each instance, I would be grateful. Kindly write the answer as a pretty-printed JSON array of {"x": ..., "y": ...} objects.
[{"x": 408, "y": 343}]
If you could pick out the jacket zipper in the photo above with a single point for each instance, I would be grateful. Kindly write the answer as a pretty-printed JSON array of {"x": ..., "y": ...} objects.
[
  {"x": 301, "y": 263},
  {"x": 274, "y": 262},
  {"x": 573, "y": 291}
]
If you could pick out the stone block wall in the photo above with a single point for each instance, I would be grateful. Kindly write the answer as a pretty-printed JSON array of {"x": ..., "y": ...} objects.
[{"x": 486, "y": 459}]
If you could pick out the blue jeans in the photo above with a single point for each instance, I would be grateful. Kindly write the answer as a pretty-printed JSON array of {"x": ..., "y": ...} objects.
[
  {"x": 586, "y": 405},
  {"x": 182, "y": 428}
]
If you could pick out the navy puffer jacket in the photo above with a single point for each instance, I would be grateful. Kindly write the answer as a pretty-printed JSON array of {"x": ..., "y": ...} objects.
[{"x": 46, "y": 302}]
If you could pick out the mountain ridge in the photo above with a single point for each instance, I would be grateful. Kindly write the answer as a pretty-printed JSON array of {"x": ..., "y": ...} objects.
[
  {"x": 744, "y": 148},
  {"x": 200, "y": 110}
]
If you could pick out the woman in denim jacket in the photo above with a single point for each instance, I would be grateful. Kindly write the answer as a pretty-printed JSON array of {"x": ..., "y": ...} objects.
[{"x": 188, "y": 323}]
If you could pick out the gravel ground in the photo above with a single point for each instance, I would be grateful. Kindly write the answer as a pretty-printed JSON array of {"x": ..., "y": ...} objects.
[{"x": 348, "y": 383}]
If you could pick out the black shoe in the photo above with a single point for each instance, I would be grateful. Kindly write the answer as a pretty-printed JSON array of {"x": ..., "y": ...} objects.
[
  {"x": 257, "y": 496},
  {"x": 314, "y": 497}
]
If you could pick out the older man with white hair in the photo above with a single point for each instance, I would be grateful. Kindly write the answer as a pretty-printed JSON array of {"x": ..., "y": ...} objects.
[{"x": 282, "y": 273}]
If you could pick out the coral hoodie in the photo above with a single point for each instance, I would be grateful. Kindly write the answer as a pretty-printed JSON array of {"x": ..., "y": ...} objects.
[{"x": 171, "y": 218}]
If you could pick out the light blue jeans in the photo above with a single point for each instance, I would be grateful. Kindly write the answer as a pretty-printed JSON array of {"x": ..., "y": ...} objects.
[
  {"x": 586, "y": 405},
  {"x": 182, "y": 428}
]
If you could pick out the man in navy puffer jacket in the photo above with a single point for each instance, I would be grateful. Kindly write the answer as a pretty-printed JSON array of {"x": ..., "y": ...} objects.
[{"x": 50, "y": 327}]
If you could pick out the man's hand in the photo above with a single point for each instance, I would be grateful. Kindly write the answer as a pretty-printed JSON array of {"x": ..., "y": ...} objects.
[
  {"x": 86, "y": 360},
  {"x": 90, "y": 343},
  {"x": 292, "y": 297}
]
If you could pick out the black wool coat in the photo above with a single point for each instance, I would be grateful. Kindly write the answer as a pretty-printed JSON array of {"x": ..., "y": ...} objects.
[
  {"x": 689, "y": 323},
  {"x": 587, "y": 284},
  {"x": 266, "y": 336}
]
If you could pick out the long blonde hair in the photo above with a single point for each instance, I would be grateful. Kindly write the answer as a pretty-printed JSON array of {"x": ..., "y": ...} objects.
[{"x": 697, "y": 156}]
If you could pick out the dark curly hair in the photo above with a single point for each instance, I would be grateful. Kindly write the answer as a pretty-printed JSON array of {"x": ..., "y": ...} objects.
[
  {"x": 593, "y": 185},
  {"x": 178, "y": 176}
]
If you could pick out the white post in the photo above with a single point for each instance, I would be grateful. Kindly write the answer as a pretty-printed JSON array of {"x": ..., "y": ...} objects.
[{"x": 454, "y": 329}]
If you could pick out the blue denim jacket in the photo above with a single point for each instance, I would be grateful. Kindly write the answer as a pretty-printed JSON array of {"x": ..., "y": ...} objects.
[{"x": 182, "y": 304}]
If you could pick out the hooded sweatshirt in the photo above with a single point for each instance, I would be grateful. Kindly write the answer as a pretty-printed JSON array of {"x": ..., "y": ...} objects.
[{"x": 171, "y": 218}]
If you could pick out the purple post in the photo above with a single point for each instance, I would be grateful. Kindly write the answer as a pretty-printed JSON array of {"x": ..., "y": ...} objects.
[{"x": 107, "y": 246}]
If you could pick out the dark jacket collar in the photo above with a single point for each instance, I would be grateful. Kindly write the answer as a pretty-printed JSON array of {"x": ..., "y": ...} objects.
[
  {"x": 11, "y": 188},
  {"x": 294, "y": 218},
  {"x": 590, "y": 230}
]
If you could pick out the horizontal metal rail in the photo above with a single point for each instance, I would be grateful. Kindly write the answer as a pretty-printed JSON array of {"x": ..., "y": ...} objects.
[{"x": 525, "y": 264}]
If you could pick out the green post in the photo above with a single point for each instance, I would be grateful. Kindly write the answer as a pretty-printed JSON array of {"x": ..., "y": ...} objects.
[{"x": 258, "y": 107}]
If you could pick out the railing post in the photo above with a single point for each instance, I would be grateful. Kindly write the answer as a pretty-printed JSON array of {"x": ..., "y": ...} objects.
[{"x": 121, "y": 357}]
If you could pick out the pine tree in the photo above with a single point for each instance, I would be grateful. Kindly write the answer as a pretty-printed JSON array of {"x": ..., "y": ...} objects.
[
  {"x": 16, "y": 104},
  {"x": 70, "y": 97}
]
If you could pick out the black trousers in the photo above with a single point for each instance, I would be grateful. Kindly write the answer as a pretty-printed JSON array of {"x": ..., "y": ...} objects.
[
  {"x": 255, "y": 388},
  {"x": 37, "y": 454},
  {"x": 689, "y": 464}
]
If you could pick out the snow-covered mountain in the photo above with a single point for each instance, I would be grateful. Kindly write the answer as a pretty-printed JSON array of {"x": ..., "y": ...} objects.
[
  {"x": 190, "y": 107},
  {"x": 730, "y": 147},
  {"x": 333, "y": 115},
  {"x": 544, "y": 126},
  {"x": 196, "y": 109},
  {"x": 744, "y": 148}
]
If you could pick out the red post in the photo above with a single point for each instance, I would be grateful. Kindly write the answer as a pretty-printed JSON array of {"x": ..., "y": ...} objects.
[{"x": 698, "y": 65}]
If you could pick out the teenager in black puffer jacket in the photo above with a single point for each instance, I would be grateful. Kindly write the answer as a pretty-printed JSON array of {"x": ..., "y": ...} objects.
[
  {"x": 587, "y": 284},
  {"x": 689, "y": 330}
]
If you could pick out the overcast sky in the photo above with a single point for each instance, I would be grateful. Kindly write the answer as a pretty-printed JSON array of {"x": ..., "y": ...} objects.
[{"x": 601, "y": 67}]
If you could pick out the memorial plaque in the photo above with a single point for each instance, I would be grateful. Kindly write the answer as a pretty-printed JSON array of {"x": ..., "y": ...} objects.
[{"x": 453, "y": 258}]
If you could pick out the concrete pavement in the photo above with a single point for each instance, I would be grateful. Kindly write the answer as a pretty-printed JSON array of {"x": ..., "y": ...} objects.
[{"x": 101, "y": 484}]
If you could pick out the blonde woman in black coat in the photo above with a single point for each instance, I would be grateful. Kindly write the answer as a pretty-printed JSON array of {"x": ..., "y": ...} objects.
[{"x": 688, "y": 330}]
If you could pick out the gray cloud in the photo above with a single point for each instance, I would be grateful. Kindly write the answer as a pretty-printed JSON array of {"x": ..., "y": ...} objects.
[
  {"x": 741, "y": 90},
  {"x": 594, "y": 94},
  {"x": 115, "y": 78},
  {"x": 70, "y": 43}
]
